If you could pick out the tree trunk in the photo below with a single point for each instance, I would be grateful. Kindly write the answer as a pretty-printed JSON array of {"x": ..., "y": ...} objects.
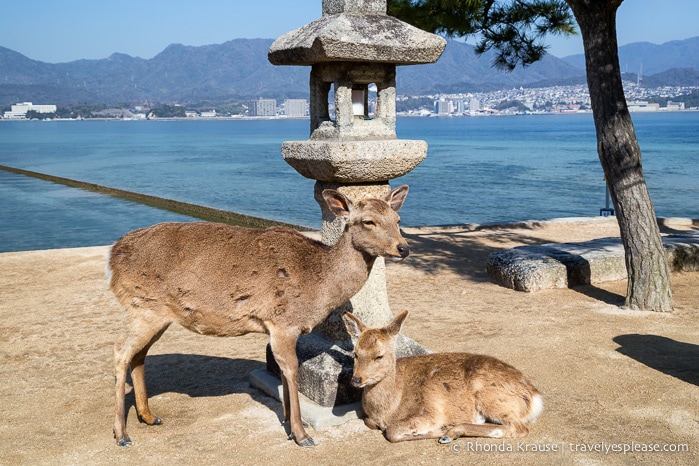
[{"x": 646, "y": 263}]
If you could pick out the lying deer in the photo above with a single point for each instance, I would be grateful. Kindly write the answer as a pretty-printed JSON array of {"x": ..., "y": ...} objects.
[
  {"x": 442, "y": 395},
  {"x": 222, "y": 280}
]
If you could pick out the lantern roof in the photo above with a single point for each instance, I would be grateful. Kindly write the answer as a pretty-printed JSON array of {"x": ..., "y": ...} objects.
[{"x": 356, "y": 31}]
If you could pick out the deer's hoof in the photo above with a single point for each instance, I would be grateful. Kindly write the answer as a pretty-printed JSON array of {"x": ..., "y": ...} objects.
[
  {"x": 125, "y": 442},
  {"x": 307, "y": 442},
  {"x": 155, "y": 422},
  {"x": 445, "y": 439}
]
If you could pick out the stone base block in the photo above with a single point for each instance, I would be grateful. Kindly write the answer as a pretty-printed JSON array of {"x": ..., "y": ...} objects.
[
  {"x": 563, "y": 265},
  {"x": 325, "y": 371},
  {"x": 682, "y": 252},
  {"x": 319, "y": 417},
  {"x": 325, "y": 368}
]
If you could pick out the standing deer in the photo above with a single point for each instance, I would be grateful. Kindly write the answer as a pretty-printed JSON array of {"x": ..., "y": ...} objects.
[
  {"x": 440, "y": 395},
  {"x": 222, "y": 280}
]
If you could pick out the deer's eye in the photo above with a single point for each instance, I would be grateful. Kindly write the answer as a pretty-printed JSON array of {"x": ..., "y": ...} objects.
[
  {"x": 378, "y": 358},
  {"x": 368, "y": 223}
]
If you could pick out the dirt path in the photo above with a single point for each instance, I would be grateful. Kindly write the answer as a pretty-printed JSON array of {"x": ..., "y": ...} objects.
[{"x": 611, "y": 378}]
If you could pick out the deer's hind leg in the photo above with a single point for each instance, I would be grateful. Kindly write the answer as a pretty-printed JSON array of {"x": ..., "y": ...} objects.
[
  {"x": 131, "y": 350},
  {"x": 138, "y": 377},
  {"x": 414, "y": 428},
  {"x": 473, "y": 430},
  {"x": 426, "y": 428},
  {"x": 510, "y": 408}
]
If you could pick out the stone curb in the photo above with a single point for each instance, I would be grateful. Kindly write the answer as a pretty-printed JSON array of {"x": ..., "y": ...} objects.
[{"x": 564, "y": 265}]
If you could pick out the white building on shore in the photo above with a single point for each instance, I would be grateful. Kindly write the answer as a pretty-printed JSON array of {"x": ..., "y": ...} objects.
[
  {"x": 263, "y": 107},
  {"x": 296, "y": 108},
  {"x": 642, "y": 106},
  {"x": 20, "y": 110}
]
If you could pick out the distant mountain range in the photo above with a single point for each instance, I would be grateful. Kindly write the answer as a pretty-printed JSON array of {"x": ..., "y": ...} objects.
[
  {"x": 239, "y": 70},
  {"x": 649, "y": 59}
]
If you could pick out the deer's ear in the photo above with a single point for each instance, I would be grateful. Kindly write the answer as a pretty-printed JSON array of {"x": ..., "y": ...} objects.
[
  {"x": 394, "y": 327},
  {"x": 337, "y": 203},
  {"x": 396, "y": 198},
  {"x": 354, "y": 326}
]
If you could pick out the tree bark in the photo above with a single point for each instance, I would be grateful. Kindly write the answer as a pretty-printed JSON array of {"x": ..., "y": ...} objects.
[{"x": 620, "y": 155}]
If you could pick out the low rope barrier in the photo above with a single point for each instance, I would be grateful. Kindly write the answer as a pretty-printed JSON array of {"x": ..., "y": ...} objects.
[{"x": 183, "y": 208}]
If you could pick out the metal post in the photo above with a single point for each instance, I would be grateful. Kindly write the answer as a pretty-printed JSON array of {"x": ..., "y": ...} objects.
[{"x": 606, "y": 211}]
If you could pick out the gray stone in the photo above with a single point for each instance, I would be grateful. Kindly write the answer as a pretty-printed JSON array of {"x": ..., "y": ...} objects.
[
  {"x": 370, "y": 37},
  {"x": 563, "y": 265},
  {"x": 333, "y": 7},
  {"x": 354, "y": 161},
  {"x": 526, "y": 270},
  {"x": 682, "y": 252}
]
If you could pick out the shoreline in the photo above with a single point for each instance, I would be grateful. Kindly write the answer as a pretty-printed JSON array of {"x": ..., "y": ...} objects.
[
  {"x": 184, "y": 208},
  {"x": 666, "y": 224},
  {"x": 399, "y": 114}
]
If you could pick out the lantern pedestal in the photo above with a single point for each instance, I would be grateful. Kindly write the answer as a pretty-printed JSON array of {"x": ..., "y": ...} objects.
[{"x": 354, "y": 161}]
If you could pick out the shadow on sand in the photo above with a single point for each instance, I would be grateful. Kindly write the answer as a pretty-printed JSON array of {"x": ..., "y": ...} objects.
[
  {"x": 675, "y": 358},
  {"x": 198, "y": 375},
  {"x": 456, "y": 250}
]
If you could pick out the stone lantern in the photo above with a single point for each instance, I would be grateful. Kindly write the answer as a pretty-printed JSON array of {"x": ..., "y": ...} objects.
[{"x": 353, "y": 47}]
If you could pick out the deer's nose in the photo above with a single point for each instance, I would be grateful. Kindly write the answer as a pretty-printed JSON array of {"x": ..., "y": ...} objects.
[
  {"x": 356, "y": 381},
  {"x": 403, "y": 250}
]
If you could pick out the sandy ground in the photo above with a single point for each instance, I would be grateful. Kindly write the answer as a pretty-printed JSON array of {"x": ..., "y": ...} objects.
[{"x": 612, "y": 379}]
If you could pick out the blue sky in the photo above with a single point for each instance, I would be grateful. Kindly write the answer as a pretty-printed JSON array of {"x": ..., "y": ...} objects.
[{"x": 65, "y": 30}]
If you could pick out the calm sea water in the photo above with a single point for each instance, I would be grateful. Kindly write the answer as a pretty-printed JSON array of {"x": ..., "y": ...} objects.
[{"x": 478, "y": 170}]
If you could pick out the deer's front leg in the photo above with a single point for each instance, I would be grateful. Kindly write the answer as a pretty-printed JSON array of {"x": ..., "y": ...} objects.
[{"x": 284, "y": 350}]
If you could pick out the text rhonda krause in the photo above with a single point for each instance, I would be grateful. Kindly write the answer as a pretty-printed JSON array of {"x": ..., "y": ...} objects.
[{"x": 564, "y": 447}]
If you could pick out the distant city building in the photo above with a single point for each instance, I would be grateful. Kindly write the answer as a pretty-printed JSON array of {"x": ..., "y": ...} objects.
[
  {"x": 210, "y": 114},
  {"x": 295, "y": 107},
  {"x": 643, "y": 106},
  {"x": 474, "y": 105},
  {"x": 263, "y": 107},
  {"x": 674, "y": 106},
  {"x": 443, "y": 107},
  {"x": 20, "y": 110}
]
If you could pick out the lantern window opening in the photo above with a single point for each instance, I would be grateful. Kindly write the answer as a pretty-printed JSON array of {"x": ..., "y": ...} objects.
[
  {"x": 352, "y": 101},
  {"x": 330, "y": 102},
  {"x": 372, "y": 100},
  {"x": 360, "y": 101}
]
